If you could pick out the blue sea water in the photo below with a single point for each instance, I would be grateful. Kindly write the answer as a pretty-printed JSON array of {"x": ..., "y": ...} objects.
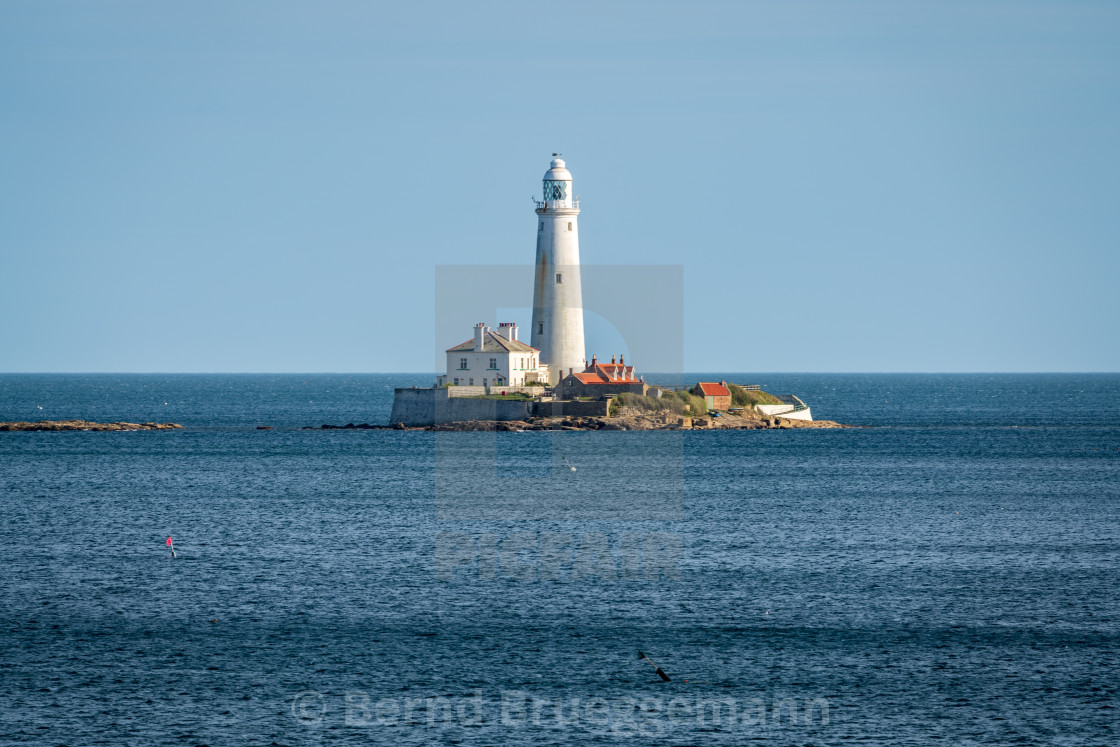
[{"x": 948, "y": 575}]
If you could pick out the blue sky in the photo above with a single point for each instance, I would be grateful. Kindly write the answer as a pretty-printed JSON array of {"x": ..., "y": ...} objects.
[{"x": 849, "y": 186}]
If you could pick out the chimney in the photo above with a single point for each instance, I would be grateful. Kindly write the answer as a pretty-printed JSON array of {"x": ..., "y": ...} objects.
[
  {"x": 594, "y": 360},
  {"x": 621, "y": 360},
  {"x": 508, "y": 330},
  {"x": 479, "y": 336},
  {"x": 612, "y": 360}
]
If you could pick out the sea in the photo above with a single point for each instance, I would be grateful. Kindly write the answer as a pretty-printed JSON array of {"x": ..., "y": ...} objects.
[{"x": 947, "y": 572}]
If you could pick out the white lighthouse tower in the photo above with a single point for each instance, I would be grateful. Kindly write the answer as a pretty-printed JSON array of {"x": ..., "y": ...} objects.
[{"x": 557, "y": 297}]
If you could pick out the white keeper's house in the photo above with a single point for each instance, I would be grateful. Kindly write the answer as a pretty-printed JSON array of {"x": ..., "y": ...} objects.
[{"x": 493, "y": 359}]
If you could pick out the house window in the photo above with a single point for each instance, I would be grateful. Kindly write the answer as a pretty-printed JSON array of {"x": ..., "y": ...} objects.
[
  {"x": 462, "y": 364},
  {"x": 493, "y": 363},
  {"x": 569, "y": 225},
  {"x": 471, "y": 382},
  {"x": 540, "y": 328},
  {"x": 559, "y": 278},
  {"x": 456, "y": 382}
]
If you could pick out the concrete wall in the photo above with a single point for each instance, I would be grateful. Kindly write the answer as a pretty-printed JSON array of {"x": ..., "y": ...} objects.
[
  {"x": 432, "y": 406},
  {"x": 476, "y": 391},
  {"x": 786, "y": 410},
  {"x": 459, "y": 409},
  {"x": 416, "y": 407},
  {"x": 573, "y": 408},
  {"x": 571, "y": 387},
  {"x": 774, "y": 409}
]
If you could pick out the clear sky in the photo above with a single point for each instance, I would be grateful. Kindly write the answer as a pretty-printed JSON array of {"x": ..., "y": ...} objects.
[{"x": 849, "y": 186}]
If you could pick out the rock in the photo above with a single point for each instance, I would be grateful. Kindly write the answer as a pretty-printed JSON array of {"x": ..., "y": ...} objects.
[
  {"x": 398, "y": 426},
  {"x": 264, "y": 427},
  {"x": 85, "y": 425}
]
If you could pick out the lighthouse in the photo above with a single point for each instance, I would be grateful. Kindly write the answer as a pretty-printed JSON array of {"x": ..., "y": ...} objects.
[{"x": 557, "y": 297}]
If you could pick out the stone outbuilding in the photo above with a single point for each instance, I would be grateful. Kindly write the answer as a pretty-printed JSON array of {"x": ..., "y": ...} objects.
[
  {"x": 599, "y": 379},
  {"x": 717, "y": 396}
]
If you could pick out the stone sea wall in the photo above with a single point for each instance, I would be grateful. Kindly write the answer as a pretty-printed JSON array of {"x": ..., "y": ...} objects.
[{"x": 415, "y": 407}]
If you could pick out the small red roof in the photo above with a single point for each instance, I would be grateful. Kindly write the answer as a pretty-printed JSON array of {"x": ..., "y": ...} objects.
[
  {"x": 615, "y": 372},
  {"x": 608, "y": 373},
  {"x": 713, "y": 389}
]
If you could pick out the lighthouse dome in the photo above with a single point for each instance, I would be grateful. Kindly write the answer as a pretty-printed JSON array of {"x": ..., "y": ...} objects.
[{"x": 558, "y": 172}]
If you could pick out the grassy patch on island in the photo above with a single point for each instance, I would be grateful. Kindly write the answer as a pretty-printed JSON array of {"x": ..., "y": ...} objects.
[
  {"x": 741, "y": 397},
  {"x": 678, "y": 403}
]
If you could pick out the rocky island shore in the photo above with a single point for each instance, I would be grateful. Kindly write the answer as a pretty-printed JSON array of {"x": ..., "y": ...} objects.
[
  {"x": 628, "y": 419},
  {"x": 85, "y": 425},
  {"x": 632, "y": 421}
]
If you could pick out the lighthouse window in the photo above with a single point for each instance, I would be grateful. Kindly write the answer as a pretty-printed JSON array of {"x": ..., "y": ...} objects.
[
  {"x": 569, "y": 225},
  {"x": 559, "y": 278},
  {"x": 555, "y": 190},
  {"x": 540, "y": 328},
  {"x": 541, "y": 226}
]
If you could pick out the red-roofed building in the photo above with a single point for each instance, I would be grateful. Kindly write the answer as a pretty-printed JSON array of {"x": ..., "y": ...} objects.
[
  {"x": 599, "y": 379},
  {"x": 717, "y": 396}
]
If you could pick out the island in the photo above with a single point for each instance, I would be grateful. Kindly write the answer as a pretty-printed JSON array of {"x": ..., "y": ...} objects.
[
  {"x": 85, "y": 425},
  {"x": 630, "y": 405}
]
